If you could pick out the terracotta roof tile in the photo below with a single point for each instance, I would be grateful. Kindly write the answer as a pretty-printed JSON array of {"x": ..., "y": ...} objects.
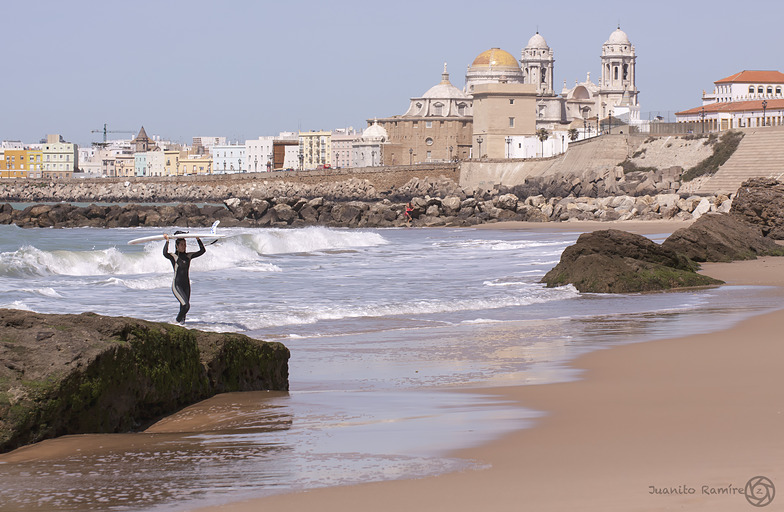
[
  {"x": 757, "y": 77},
  {"x": 734, "y": 106}
]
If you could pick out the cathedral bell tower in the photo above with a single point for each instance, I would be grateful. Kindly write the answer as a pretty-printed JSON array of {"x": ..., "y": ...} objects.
[
  {"x": 538, "y": 65},
  {"x": 618, "y": 69}
]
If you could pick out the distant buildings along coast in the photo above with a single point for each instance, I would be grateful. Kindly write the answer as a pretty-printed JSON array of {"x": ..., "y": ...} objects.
[{"x": 507, "y": 109}]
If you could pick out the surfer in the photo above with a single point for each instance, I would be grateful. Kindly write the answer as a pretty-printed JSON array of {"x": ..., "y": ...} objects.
[{"x": 181, "y": 262}]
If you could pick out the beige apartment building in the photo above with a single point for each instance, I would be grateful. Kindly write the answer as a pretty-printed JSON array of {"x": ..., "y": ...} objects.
[
  {"x": 60, "y": 159},
  {"x": 315, "y": 149},
  {"x": 195, "y": 165},
  {"x": 502, "y": 111},
  {"x": 125, "y": 166}
]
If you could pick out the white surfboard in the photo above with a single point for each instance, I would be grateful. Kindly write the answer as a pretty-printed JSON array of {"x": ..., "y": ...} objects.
[{"x": 212, "y": 234}]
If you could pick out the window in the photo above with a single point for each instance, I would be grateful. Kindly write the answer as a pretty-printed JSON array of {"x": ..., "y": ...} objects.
[
  {"x": 511, "y": 101},
  {"x": 759, "y": 89},
  {"x": 428, "y": 124},
  {"x": 751, "y": 89},
  {"x": 770, "y": 90},
  {"x": 615, "y": 73},
  {"x": 778, "y": 91},
  {"x": 511, "y": 122},
  {"x": 429, "y": 141}
]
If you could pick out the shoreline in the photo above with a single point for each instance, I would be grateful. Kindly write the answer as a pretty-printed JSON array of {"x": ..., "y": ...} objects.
[{"x": 646, "y": 424}]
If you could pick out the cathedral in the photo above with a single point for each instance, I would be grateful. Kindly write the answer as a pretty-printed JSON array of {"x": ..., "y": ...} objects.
[{"x": 441, "y": 124}]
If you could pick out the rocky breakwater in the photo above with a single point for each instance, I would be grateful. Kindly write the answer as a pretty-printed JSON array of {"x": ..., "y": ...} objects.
[
  {"x": 69, "y": 374},
  {"x": 613, "y": 261},
  {"x": 451, "y": 210}
]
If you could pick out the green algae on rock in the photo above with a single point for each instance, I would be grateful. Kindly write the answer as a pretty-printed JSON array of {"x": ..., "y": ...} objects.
[{"x": 69, "y": 374}]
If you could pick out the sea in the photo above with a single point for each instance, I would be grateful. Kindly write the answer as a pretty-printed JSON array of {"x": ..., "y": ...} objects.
[{"x": 385, "y": 326}]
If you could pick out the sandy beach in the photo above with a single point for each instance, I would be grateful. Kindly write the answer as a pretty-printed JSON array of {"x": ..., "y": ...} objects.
[{"x": 672, "y": 424}]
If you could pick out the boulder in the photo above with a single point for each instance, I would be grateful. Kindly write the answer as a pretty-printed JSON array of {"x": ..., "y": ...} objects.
[
  {"x": 722, "y": 237},
  {"x": 760, "y": 201},
  {"x": 613, "y": 261},
  {"x": 72, "y": 374}
]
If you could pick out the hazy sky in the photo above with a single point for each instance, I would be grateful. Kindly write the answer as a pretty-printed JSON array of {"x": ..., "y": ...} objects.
[{"x": 243, "y": 69}]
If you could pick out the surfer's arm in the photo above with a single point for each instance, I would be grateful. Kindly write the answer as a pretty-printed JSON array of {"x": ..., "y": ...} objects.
[
  {"x": 166, "y": 252},
  {"x": 201, "y": 250}
]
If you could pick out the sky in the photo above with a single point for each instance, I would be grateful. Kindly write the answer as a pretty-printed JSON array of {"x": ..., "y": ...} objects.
[{"x": 243, "y": 69}]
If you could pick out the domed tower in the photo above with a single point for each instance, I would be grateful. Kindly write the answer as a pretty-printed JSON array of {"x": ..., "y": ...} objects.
[
  {"x": 618, "y": 69},
  {"x": 493, "y": 66},
  {"x": 538, "y": 65}
]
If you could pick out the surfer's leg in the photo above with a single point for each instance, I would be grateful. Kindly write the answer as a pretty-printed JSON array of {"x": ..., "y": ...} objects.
[
  {"x": 183, "y": 311},
  {"x": 183, "y": 295}
]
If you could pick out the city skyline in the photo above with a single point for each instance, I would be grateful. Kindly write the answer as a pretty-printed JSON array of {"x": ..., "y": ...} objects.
[{"x": 246, "y": 69}]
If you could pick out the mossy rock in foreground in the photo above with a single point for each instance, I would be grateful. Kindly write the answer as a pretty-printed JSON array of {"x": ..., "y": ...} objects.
[
  {"x": 613, "y": 261},
  {"x": 68, "y": 374}
]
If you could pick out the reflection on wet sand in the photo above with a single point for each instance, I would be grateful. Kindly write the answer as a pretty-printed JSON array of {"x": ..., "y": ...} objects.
[{"x": 197, "y": 451}]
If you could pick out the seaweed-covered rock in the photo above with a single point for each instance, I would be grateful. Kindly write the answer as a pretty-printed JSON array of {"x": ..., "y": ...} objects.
[
  {"x": 722, "y": 237},
  {"x": 68, "y": 374},
  {"x": 614, "y": 261}
]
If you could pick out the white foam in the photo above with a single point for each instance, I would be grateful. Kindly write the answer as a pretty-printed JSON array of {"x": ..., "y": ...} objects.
[{"x": 312, "y": 239}]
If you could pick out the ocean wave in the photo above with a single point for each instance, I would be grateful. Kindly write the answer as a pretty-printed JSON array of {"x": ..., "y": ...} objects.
[
  {"x": 312, "y": 239},
  {"x": 313, "y": 313},
  {"x": 45, "y": 292},
  {"x": 17, "y": 304}
]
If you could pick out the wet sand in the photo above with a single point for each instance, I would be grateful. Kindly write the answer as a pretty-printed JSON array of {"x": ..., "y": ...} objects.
[{"x": 671, "y": 424}]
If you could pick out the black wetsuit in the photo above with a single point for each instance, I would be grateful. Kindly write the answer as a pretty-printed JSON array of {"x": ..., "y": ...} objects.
[{"x": 181, "y": 284}]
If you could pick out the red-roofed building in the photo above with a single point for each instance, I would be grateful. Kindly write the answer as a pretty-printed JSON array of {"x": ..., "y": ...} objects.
[{"x": 743, "y": 100}]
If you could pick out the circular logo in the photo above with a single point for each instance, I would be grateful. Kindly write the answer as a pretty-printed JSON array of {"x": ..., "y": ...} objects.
[{"x": 760, "y": 491}]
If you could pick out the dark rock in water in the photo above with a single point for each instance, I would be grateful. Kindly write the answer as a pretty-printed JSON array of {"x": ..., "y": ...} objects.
[
  {"x": 760, "y": 201},
  {"x": 613, "y": 261},
  {"x": 722, "y": 237},
  {"x": 69, "y": 374}
]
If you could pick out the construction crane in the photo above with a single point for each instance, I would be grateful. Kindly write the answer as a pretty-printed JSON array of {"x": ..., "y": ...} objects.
[{"x": 105, "y": 131}]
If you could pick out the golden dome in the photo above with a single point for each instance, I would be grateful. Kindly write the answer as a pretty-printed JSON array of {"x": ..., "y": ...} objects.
[{"x": 494, "y": 57}]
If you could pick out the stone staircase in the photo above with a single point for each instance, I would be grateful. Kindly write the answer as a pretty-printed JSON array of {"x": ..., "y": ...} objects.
[{"x": 759, "y": 154}]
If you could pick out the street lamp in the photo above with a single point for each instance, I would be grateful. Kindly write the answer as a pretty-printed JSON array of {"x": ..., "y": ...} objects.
[
  {"x": 764, "y": 106},
  {"x": 702, "y": 115},
  {"x": 609, "y": 119},
  {"x": 508, "y": 147},
  {"x": 479, "y": 141},
  {"x": 410, "y": 156}
]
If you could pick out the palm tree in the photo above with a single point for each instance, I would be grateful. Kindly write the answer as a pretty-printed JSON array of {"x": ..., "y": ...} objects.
[
  {"x": 573, "y": 134},
  {"x": 542, "y": 134}
]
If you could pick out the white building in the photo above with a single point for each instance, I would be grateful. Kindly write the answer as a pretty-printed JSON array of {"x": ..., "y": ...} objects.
[
  {"x": 743, "y": 100},
  {"x": 156, "y": 160},
  {"x": 366, "y": 151},
  {"x": 258, "y": 155},
  {"x": 228, "y": 158},
  {"x": 342, "y": 147}
]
